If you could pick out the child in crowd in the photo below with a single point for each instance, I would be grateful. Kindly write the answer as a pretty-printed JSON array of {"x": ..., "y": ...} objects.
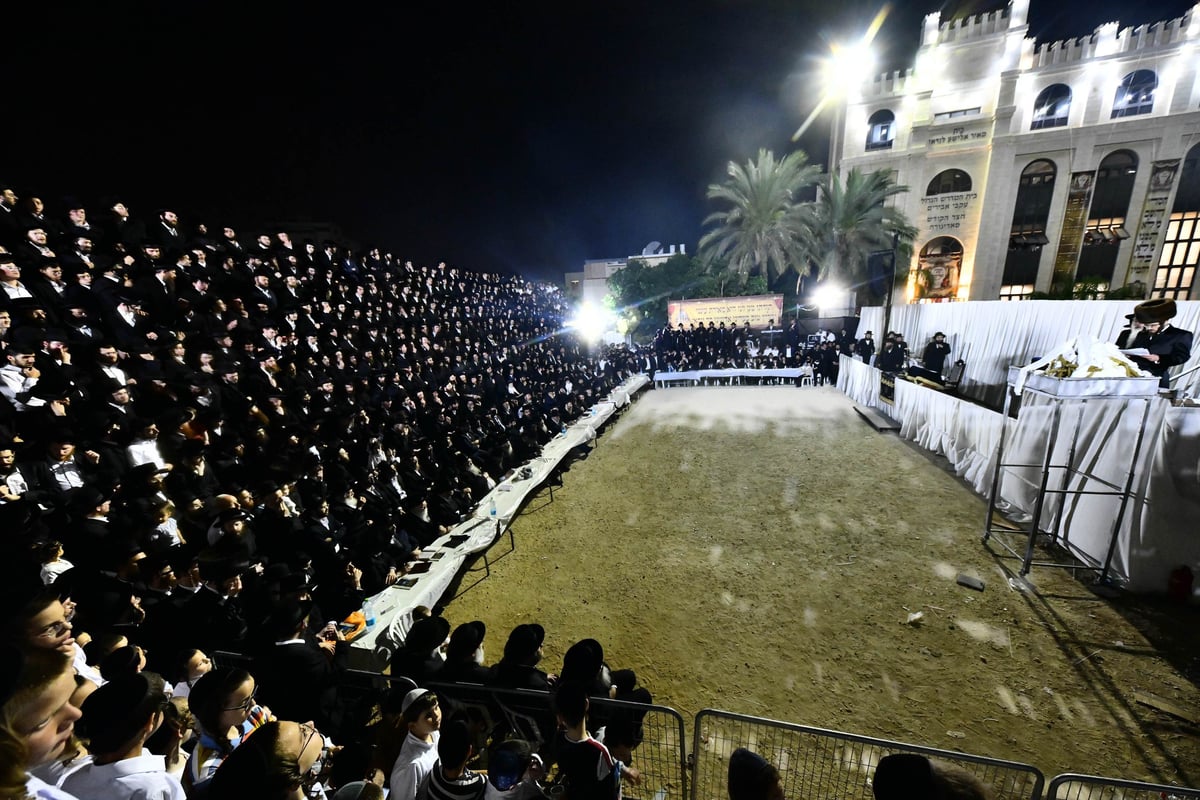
[
  {"x": 421, "y": 715},
  {"x": 588, "y": 767},
  {"x": 900, "y": 776},
  {"x": 450, "y": 779},
  {"x": 752, "y": 777},
  {"x": 118, "y": 718},
  {"x": 36, "y": 719},
  {"x": 222, "y": 703},
  {"x": 514, "y": 771}
]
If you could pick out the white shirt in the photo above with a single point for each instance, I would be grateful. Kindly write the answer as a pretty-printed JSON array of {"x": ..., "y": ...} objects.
[
  {"x": 38, "y": 788},
  {"x": 85, "y": 670},
  {"x": 142, "y": 777},
  {"x": 52, "y": 569},
  {"x": 416, "y": 760}
]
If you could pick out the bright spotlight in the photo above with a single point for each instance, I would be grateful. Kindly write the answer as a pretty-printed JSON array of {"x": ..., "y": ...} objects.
[
  {"x": 848, "y": 67},
  {"x": 828, "y": 297},
  {"x": 591, "y": 322},
  {"x": 845, "y": 70}
]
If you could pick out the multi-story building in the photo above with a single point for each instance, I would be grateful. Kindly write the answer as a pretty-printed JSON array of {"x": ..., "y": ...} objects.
[
  {"x": 1040, "y": 166},
  {"x": 590, "y": 286}
]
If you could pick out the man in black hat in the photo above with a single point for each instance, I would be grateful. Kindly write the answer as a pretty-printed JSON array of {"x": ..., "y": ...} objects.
[
  {"x": 522, "y": 652},
  {"x": 865, "y": 349},
  {"x": 933, "y": 360},
  {"x": 20, "y": 375},
  {"x": 34, "y": 248},
  {"x": 9, "y": 227},
  {"x": 1168, "y": 346},
  {"x": 1132, "y": 326},
  {"x": 10, "y": 278},
  {"x": 77, "y": 224},
  {"x": 298, "y": 676},
  {"x": 416, "y": 659}
]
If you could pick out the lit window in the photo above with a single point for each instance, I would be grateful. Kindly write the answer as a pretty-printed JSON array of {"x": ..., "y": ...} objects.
[
  {"x": 1052, "y": 107},
  {"x": 946, "y": 116},
  {"x": 1016, "y": 291},
  {"x": 881, "y": 130},
  {"x": 1135, "y": 95},
  {"x": 1179, "y": 258}
]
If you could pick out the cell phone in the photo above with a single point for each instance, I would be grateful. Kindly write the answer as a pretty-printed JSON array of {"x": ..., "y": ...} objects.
[{"x": 969, "y": 582}]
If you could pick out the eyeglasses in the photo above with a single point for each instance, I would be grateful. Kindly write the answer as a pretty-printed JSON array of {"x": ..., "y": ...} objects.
[
  {"x": 55, "y": 630},
  {"x": 318, "y": 766},
  {"x": 247, "y": 704}
]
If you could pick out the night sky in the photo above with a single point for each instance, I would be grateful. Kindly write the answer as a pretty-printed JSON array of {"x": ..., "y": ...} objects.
[{"x": 523, "y": 137}]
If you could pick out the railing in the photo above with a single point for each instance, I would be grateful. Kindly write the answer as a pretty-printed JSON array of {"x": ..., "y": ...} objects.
[
  {"x": 1072, "y": 786},
  {"x": 817, "y": 763},
  {"x": 813, "y": 762}
]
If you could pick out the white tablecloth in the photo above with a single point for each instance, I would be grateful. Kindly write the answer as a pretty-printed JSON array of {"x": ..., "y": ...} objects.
[
  {"x": 394, "y": 605},
  {"x": 1157, "y": 534},
  {"x": 662, "y": 378}
]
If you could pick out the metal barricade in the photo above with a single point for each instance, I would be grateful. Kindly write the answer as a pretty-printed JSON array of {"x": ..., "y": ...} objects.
[
  {"x": 818, "y": 763},
  {"x": 1073, "y": 786},
  {"x": 660, "y": 757}
]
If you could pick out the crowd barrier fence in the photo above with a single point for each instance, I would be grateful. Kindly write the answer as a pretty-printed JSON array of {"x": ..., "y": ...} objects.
[
  {"x": 814, "y": 762},
  {"x": 818, "y": 763},
  {"x": 1073, "y": 786}
]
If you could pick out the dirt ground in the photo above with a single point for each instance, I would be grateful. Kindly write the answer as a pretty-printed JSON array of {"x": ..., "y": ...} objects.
[{"x": 759, "y": 550}]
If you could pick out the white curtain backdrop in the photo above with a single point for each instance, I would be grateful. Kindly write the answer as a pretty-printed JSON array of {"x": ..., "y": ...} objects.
[
  {"x": 992, "y": 335},
  {"x": 1158, "y": 529}
]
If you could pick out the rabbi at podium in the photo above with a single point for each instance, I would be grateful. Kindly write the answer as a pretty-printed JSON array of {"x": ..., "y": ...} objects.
[{"x": 1169, "y": 346}]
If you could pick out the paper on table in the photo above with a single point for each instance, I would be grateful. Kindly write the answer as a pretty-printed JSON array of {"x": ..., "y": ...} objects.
[{"x": 1137, "y": 351}]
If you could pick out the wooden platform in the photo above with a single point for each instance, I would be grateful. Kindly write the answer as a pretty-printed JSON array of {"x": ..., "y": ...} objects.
[{"x": 877, "y": 420}]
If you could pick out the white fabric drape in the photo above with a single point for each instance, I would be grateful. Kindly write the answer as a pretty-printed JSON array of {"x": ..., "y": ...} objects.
[
  {"x": 1157, "y": 531},
  {"x": 992, "y": 335}
]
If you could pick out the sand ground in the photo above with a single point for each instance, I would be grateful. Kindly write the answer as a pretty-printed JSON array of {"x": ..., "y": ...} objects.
[{"x": 759, "y": 550}]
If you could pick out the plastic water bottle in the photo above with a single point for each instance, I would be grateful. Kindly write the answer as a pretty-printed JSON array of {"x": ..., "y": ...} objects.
[
  {"x": 564, "y": 431},
  {"x": 368, "y": 611},
  {"x": 492, "y": 509}
]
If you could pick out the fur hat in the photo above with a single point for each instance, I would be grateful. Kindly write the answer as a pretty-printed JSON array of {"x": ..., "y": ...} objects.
[{"x": 1158, "y": 310}]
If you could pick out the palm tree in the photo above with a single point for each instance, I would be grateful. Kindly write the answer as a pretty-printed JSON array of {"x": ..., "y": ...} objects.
[
  {"x": 762, "y": 231},
  {"x": 850, "y": 221}
]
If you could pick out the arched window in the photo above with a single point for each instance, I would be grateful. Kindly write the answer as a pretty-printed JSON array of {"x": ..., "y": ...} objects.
[
  {"x": 947, "y": 181},
  {"x": 1106, "y": 228},
  {"x": 881, "y": 130},
  {"x": 1052, "y": 107},
  {"x": 1135, "y": 95},
  {"x": 1028, "y": 234}
]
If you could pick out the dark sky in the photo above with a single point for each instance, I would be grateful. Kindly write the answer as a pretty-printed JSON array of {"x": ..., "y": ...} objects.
[{"x": 521, "y": 136}]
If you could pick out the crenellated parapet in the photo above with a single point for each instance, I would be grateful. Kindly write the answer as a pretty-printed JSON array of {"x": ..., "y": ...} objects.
[{"x": 1111, "y": 39}]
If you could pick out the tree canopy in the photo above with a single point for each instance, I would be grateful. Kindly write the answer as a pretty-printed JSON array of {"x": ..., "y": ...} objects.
[
  {"x": 640, "y": 292},
  {"x": 851, "y": 220},
  {"x": 766, "y": 228},
  {"x": 762, "y": 229}
]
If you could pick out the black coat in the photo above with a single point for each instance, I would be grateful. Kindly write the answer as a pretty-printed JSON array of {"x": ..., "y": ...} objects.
[{"x": 299, "y": 681}]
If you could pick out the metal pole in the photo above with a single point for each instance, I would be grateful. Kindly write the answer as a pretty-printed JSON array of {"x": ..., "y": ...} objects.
[{"x": 887, "y": 303}]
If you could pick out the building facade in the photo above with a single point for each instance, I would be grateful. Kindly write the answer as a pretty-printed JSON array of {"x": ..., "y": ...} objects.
[
  {"x": 590, "y": 286},
  {"x": 1051, "y": 167}
]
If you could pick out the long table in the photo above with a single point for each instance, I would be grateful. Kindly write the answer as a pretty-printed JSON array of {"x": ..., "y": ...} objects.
[
  {"x": 446, "y": 555},
  {"x": 694, "y": 376}
]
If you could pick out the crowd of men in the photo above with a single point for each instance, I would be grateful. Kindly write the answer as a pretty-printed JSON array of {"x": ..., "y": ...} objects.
[
  {"x": 186, "y": 403},
  {"x": 717, "y": 346}
]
